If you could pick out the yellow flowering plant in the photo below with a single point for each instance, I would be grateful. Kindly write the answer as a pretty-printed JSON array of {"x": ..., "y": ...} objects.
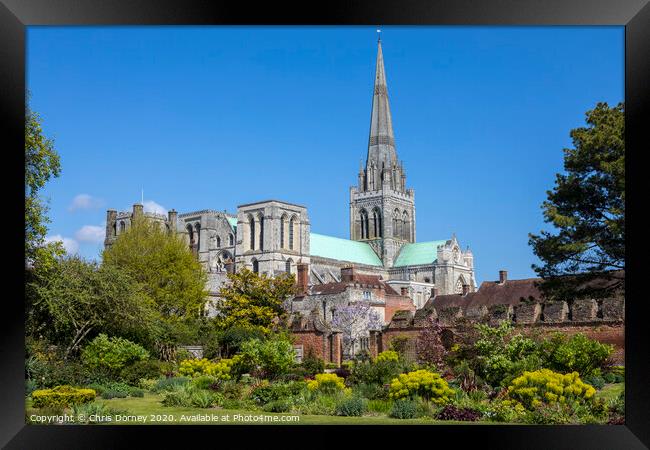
[
  {"x": 221, "y": 369},
  {"x": 388, "y": 355},
  {"x": 328, "y": 383},
  {"x": 424, "y": 383},
  {"x": 532, "y": 389}
]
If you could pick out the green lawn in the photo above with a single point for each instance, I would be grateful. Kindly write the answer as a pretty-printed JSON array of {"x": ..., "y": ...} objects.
[
  {"x": 149, "y": 407},
  {"x": 611, "y": 391}
]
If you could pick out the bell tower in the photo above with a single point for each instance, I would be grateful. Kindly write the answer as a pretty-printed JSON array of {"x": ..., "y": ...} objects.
[{"x": 382, "y": 209}]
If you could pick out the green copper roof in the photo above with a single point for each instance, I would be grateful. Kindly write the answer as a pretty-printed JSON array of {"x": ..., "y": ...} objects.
[
  {"x": 418, "y": 253},
  {"x": 233, "y": 222},
  {"x": 342, "y": 249}
]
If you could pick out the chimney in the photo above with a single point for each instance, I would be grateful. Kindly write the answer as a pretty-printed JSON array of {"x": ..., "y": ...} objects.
[
  {"x": 404, "y": 291},
  {"x": 172, "y": 217},
  {"x": 303, "y": 277},
  {"x": 503, "y": 276},
  {"x": 138, "y": 211},
  {"x": 347, "y": 274},
  {"x": 465, "y": 289}
]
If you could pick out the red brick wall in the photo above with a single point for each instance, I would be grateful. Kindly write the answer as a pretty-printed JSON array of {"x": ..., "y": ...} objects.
[
  {"x": 314, "y": 341},
  {"x": 394, "y": 304}
]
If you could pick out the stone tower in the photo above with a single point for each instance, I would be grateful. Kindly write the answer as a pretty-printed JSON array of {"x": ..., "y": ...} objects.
[{"x": 382, "y": 209}]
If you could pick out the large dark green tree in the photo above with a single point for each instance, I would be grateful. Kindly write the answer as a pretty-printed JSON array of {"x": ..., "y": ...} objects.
[
  {"x": 41, "y": 164},
  {"x": 587, "y": 209}
]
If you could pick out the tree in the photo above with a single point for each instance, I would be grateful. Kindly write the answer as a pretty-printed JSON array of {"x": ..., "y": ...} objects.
[
  {"x": 354, "y": 321},
  {"x": 168, "y": 276},
  {"x": 587, "y": 206},
  {"x": 428, "y": 345},
  {"x": 254, "y": 301},
  {"x": 41, "y": 164},
  {"x": 73, "y": 299}
]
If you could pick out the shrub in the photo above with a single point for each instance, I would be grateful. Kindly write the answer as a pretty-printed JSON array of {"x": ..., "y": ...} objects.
[
  {"x": 388, "y": 355},
  {"x": 149, "y": 368},
  {"x": 545, "y": 386},
  {"x": 279, "y": 406},
  {"x": 204, "y": 399},
  {"x": 270, "y": 358},
  {"x": 271, "y": 392},
  {"x": 135, "y": 392},
  {"x": 423, "y": 383},
  {"x": 508, "y": 411},
  {"x": 595, "y": 380},
  {"x": 312, "y": 364},
  {"x": 450, "y": 412},
  {"x": 327, "y": 383},
  {"x": 319, "y": 405},
  {"x": 379, "y": 372},
  {"x": 147, "y": 383},
  {"x": 167, "y": 384},
  {"x": 61, "y": 396},
  {"x": 30, "y": 386},
  {"x": 176, "y": 396},
  {"x": 404, "y": 409},
  {"x": 221, "y": 370},
  {"x": 113, "y": 394},
  {"x": 112, "y": 354},
  {"x": 351, "y": 407},
  {"x": 204, "y": 381},
  {"x": 379, "y": 406},
  {"x": 577, "y": 353},
  {"x": 371, "y": 391}
]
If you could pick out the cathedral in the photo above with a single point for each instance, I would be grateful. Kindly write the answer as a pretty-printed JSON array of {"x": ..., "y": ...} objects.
[{"x": 381, "y": 258}]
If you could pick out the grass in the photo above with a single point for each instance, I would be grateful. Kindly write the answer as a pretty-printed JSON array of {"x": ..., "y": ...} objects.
[
  {"x": 150, "y": 408},
  {"x": 611, "y": 391}
]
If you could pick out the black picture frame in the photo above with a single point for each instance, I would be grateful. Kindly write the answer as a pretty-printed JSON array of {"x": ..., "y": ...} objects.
[{"x": 15, "y": 15}]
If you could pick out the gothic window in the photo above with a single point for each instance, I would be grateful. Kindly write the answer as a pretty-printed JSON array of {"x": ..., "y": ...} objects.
[
  {"x": 365, "y": 229},
  {"x": 291, "y": 226},
  {"x": 114, "y": 228},
  {"x": 367, "y": 295},
  {"x": 251, "y": 224},
  {"x": 122, "y": 226},
  {"x": 218, "y": 242},
  {"x": 459, "y": 286},
  {"x": 288, "y": 266},
  {"x": 231, "y": 239},
  {"x": 256, "y": 266},
  {"x": 261, "y": 217},
  {"x": 197, "y": 228},
  {"x": 283, "y": 220},
  {"x": 190, "y": 233},
  {"x": 406, "y": 227},
  {"x": 376, "y": 221}
]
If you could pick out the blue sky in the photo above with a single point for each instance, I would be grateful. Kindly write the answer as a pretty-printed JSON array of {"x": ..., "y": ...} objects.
[{"x": 214, "y": 117}]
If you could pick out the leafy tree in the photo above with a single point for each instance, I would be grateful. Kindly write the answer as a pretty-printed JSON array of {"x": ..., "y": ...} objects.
[
  {"x": 41, "y": 164},
  {"x": 268, "y": 358},
  {"x": 168, "y": 276},
  {"x": 587, "y": 206},
  {"x": 428, "y": 345},
  {"x": 254, "y": 301},
  {"x": 73, "y": 299}
]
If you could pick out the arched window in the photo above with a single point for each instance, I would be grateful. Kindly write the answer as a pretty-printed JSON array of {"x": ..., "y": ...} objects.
[
  {"x": 256, "y": 266},
  {"x": 376, "y": 221},
  {"x": 122, "y": 226},
  {"x": 406, "y": 227},
  {"x": 197, "y": 229},
  {"x": 365, "y": 228},
  {"x": 231, "y": 239},
  {"x": 218, "y": 242},
  {"x": 251, "y": 223},
  {"x": 396, "y": 216},
  {"x": 190, "y": 234},
  {"x": 114, "y": 228},
  {"x": 459, "y": 285},
  {"x": 261, "y": 218},
  {"x": 288, "y": 265},
  {"x": 291, "y": 231},
  {"x": 283, "y": 221}
]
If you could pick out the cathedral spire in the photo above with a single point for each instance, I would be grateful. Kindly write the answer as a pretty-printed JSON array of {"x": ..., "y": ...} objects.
[{"x": 381, "y": 143}]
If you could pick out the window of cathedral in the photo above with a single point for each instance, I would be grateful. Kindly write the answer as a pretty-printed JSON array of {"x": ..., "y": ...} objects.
[
  {"x": 251, "y": 231},
  {"x": 261, "y": 218},
  {"x": 459, "y": 286},
  {"x": 367, "y": 295},
  {"x": 292, "y": 227},
  {"x": 283, "y": 221},
  {"x": 218, "y": 242},
  {"x": 231, "y": 239},
  {"x": 114, "y": 228},
  {"x": 122, "y": 226},
  {"x": 256, "y": 266},
  {"x": 288, "y": 266}
]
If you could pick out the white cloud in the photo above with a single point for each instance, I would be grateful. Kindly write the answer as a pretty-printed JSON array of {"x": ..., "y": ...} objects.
[
  {"x": 90, "y": 233},
  {"x": 151, "y": 206},
  {"x": 71, "y": 246},
  {"x": 85, "y": 201}
]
